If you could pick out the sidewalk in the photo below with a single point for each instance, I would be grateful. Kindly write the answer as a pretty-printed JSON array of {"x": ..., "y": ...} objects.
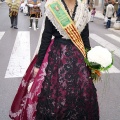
[
  {"x": 99, "y": 15},
  {"x": 1, "y": 1}
]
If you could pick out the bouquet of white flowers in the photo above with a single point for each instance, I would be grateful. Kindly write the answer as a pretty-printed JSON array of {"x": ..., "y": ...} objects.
[{"x": 98, "y": 59}]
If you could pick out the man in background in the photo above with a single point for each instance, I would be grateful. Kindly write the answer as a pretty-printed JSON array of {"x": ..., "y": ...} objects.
[
  {"x": 13, "y": 12},
  {"x": 109, "y": 13}
]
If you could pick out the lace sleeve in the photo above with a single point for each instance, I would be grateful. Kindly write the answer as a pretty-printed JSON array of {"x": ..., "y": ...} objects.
[
  {"x": 85, "y": 37},
  {"x": 45, "y": 41}
]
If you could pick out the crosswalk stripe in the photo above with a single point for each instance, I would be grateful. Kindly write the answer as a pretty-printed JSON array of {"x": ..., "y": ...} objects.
[
  {"x": 106, "y": 44},
  {"x": 114, "y": 37},
  {"x": 1, "y": 35},
  {"x": 20, "y": 56},
  {"x": 109, "y": 46},
  {"x": 113, "y": 69}
]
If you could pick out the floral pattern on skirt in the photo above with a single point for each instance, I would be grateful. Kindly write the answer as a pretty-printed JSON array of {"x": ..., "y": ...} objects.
[{"x": 68, "y": 92}]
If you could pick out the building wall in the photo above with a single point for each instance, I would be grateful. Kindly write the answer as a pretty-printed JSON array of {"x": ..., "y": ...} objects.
[
  {"x": 100, "y": 3},
  {"x": 96, "y": 2}
]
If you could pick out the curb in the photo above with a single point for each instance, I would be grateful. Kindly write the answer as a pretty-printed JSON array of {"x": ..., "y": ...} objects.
[
  {"x": 115, "y": 31},
  {"x": 103, "y": 19}
]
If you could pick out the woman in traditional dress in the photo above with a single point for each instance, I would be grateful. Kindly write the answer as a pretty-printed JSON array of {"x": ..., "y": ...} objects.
[
  {"x": 35, "y": 11},
  {"x": 62, "y": 86},
  {"x": 68, "y": 91}
]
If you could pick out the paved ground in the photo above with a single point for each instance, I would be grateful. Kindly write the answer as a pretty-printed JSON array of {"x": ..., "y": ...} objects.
[{"x": 99, "y": 15}]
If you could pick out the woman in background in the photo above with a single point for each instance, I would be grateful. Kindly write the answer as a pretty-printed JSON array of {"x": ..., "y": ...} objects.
[{"x": 93, "y": 14}]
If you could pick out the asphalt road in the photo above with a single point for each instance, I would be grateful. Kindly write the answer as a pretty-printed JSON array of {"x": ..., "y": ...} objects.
[{"x": 11, "y": 40}]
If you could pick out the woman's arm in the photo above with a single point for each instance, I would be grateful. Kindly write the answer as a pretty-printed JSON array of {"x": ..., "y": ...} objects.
[
  {"x": 85, "y": 37},
  {"x": 45, "y": 42}
]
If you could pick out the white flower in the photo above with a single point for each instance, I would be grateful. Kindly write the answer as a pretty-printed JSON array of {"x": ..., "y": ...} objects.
[{"x": 100, "y": 55}]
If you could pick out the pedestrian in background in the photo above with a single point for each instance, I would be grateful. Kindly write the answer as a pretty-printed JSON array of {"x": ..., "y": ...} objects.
[
  {"x": 13, "y": 12},
  {"x": 104, "y": 13},
  {"x": 115, "y": 4},
  {"x": 35, "y": 12},
  {"x": 104, "y": 8},
  {"x": 118, "y": 13},
  {"x": 116, "y": 25},
  {"x": 89, "y": 8},
  {"x": 28, "y": 1},
  {"x": 109, "y": 13},
  {"x": 93, "y": 14}
]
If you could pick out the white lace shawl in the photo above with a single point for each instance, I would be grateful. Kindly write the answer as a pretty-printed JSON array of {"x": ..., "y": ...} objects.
[{"x": 81, "y": 17}]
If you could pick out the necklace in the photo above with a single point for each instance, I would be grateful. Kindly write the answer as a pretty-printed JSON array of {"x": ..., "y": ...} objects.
[{"x": 71, "y": 11}]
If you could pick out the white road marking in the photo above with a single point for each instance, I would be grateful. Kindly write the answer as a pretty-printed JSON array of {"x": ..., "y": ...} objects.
[
  {"x": 20, "y": 56},
  {"x": 110, "y": 47},
  {"x": 114, "y": 37},
  {"x": 106, "y": 44},
  {"x": 1, "y": 35},
  {"x": 113, "y": 69}
]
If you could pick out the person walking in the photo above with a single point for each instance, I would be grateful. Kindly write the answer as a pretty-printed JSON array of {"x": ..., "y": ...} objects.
[
  {"x": 115, "y": 4},
  {"x": 93, "y": 14},
  {"x": 116, "y": 25},
  {"x": 109, "y": 13},
  {"x": 13, "y": 12},
  {"x": 35, "y": 12},
  {"x": 62, "y": 87},
  {"x": 104, "y": 8},
  {"x": 118, "y": 13}
]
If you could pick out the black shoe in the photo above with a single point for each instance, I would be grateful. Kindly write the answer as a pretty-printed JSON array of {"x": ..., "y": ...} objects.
[
  {"x": 15, "y": 28},
  {"x": 11, "y": 26},
  {"x": 37, "y": 28}
]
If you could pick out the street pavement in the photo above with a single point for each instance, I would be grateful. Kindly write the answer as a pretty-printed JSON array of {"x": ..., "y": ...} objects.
[
  {"x": 99, "y": 15},
  {"x": 17, "y": 48}
]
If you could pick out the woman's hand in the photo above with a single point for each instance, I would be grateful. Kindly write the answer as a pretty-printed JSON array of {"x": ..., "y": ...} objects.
[{"x": 35, "y": 71}]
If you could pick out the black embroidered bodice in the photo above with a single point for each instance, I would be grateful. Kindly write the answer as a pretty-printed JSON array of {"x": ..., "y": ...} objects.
[{"x": 50, "y": 31}]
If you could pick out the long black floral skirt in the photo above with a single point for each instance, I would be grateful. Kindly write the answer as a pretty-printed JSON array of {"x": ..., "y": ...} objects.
[{"x": 68, "y": 92}]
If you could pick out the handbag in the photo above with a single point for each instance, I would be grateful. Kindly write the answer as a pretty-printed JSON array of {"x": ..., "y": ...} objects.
[
  {"x": 25, "y": 9},
  {"x": 105, "y": 19}
]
